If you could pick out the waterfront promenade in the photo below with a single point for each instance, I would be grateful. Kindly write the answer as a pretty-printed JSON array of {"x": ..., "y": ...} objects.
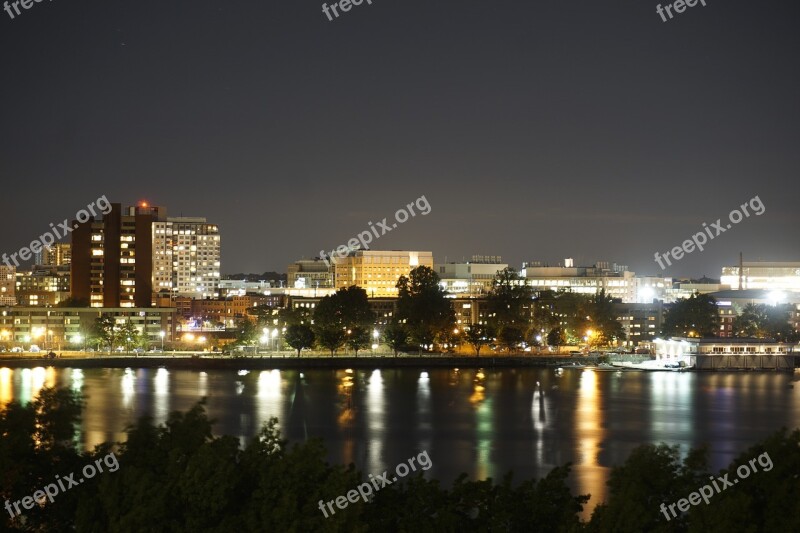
[{"x": 182, "y": 360}]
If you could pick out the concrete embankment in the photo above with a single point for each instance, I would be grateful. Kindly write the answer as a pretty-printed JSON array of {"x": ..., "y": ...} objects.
[{"x": 250, "y": 363}]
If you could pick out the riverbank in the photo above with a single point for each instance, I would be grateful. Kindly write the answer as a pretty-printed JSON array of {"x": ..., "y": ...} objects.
[{"x": 260, "y": 363}]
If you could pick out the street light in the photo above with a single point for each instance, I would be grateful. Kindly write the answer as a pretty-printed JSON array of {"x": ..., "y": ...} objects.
[
  {"x": 77, "y": 339},
  {"x": 162, "y": 334},
  {"x": 274, "y": 335},
  {"x": 264, "y": 338}
]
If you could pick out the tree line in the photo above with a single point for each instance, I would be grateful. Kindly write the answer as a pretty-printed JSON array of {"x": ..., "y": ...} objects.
[{"x": 514, "y": 317}]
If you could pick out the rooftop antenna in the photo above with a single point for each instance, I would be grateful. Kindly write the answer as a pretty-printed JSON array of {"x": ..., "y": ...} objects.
[{"x": 741, "y": 271}]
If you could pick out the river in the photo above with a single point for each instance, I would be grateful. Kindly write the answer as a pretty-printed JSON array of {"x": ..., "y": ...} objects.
[{"x": 484, "y": 422}]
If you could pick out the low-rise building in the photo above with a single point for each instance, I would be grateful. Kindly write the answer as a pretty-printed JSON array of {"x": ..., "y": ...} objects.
[
  {"x": 765, "y": 275},
  {"x": 309, "y": 274},
  {"x": 64, "y": 328},
  {"x": 616, "y": 280},
  {"x": 377, "y": 271},
  {"x": 472, "y": 278},
  {"x": 641, "y": 322},
  {"x": 42, "y": 286},
  {"x": 728, "y": 354}
]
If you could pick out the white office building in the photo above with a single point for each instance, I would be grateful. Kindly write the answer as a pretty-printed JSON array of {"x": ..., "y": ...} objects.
[
  {"x": 186, "y": 257},
  {"x": 771, "y": 276},
  {"x": 473, "y": 278}
]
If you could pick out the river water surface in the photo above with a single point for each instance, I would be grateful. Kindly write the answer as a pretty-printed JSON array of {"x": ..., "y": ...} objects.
[{"x": 482, "y": 422}]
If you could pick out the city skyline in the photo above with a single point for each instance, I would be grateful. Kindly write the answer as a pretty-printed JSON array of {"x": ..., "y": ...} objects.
[{"x": 593, "y": 132}]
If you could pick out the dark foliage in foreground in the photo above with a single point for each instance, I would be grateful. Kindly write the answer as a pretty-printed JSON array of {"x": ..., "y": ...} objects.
[{"x": 178, "y": 477}]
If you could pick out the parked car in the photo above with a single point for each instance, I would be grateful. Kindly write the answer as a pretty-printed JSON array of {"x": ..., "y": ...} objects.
[
  {"x": 35, "y": 349},
  {"x": 156, "y": 350},
  {"x": 138, "y": 350},
  {"x": 16, "y": 349}
]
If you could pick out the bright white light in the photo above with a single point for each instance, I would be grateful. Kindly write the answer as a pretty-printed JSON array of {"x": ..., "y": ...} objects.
[
  {"x": 646, "y": 294},
  {"x": 776, "y": 297}
]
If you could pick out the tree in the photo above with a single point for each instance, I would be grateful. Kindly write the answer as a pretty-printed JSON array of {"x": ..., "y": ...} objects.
[
  {"x": 73, "y": 302},
  {"x": 423, "y": 305},
  {"x": 603, "y": 320},
  {"x": 477, "y": 336},
  {"x": 330, "y": 338},
  {"x": 510, "y": 301},
  {"x": 651, "y": 476},
  {"x": 294, "y": 316},
  {"x": 556, "y": 337},
  {"x": 763, "y": 322},
  {"x": 346, "y": 309},
  {"x": 246, "y": 333},
  {"x": 692, "y": 317},
  {"x": 300, "y": 337},
  {"x": 106, "y": 329},
  {"x": 129, "y": 336},
  {"x": 395, "y": 335},
  {"x": 357, "y": 338},
  {"x": 544, "y": 314},
  {"x": 510, "y": 336}
]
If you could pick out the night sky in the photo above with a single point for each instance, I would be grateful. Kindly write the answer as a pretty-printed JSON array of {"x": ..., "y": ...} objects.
[{"x": 536, "y": 130}]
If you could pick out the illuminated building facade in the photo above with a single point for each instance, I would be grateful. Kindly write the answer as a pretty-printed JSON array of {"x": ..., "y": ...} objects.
[
  {"x": 66, "y": 328},
  {"x": 42, "y": 286},
  {"x": 377, "y": 271},
  {"x": 112, "y": 259},
  {"x": 641, "y": 321},
  {"x": 186, "y": 257},
  {"x": 771, "y": 276},
  {"x": 731, "y": 303},
  {"x": 309, "y": 274},
  {"x": 616, "y": 280},
  {"x": 59, "y": 254},
  {"x": 724, "y": 354},
  {"x": 473, "y": 278},
  {"x": 7, "y": 285}
]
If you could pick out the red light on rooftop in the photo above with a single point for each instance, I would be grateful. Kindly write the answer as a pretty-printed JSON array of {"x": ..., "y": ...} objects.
[{"x": 143, "y": 204}]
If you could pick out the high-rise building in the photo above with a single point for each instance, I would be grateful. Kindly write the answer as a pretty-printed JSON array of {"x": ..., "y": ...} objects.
[
  {"x": 56, "y": 255},
  {"x": 7, "y": 283},
  {"x": 377, "y": 271},
  {"x": 186, "y": 257},
  {"x": 112, "y": 259}
]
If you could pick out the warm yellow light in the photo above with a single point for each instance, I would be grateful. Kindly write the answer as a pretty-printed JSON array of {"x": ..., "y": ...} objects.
[{"x": 188, "y": 337}]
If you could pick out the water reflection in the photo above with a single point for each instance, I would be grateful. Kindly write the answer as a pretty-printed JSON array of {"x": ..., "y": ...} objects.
[
  {"x": 483, "y": 425},
  {"x": 6, "y": 386},
  {"x": 589, "y": 435},
  {"x": 482, "y": 422},
  {"x": 161, "y": 396},
  {"x": 424, "y": 415},
  {"x": 376, "y": 419}
]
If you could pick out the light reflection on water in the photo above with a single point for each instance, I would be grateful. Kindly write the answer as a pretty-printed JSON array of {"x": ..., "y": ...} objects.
[{"x": 483, "y": 422}]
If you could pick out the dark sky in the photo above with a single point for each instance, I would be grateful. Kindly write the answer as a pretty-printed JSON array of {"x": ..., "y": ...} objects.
[{"x": 537, "y": 130}]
